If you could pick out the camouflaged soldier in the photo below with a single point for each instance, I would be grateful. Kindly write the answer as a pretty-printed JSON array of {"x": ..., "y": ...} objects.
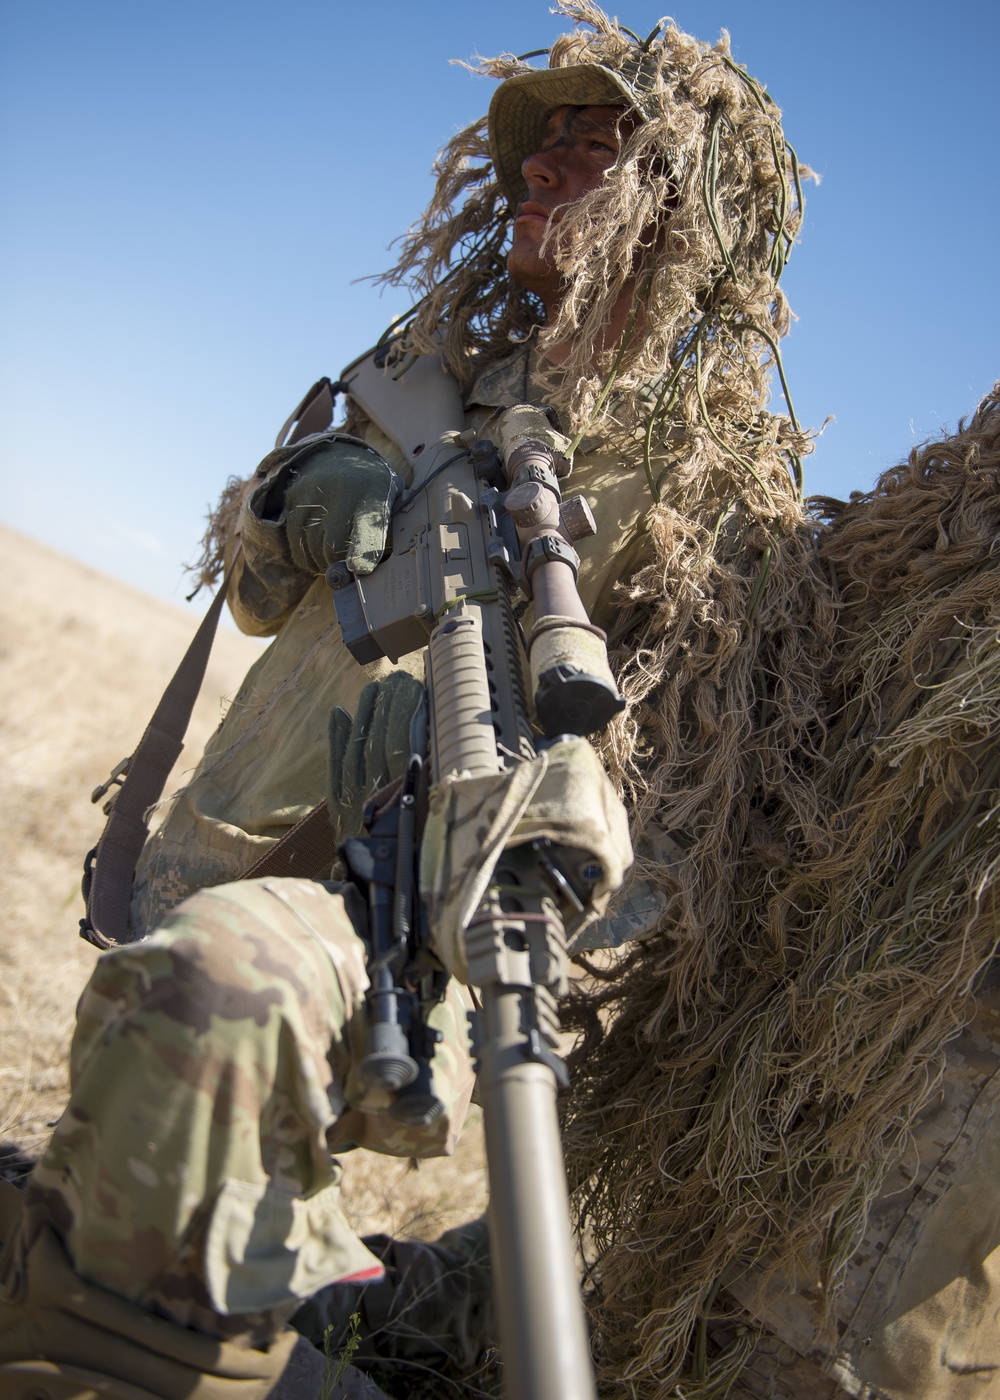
[{"x": 188, "y": 1204}]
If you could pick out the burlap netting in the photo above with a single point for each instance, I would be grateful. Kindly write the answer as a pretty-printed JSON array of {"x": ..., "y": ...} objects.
[{"x": 750, "y": 1073}]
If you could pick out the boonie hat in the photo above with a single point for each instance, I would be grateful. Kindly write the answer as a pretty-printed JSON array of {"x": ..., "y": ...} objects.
[{"x": 521, "y": 106}]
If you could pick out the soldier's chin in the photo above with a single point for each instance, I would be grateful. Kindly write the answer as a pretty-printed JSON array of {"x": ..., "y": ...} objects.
[{"x": 532, "y": 272}]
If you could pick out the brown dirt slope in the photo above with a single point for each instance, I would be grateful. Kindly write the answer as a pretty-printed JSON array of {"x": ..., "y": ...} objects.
[{"x": 83, "y": 661}]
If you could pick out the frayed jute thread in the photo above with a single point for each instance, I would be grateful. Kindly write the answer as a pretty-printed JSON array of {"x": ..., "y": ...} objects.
[
  {"x": 700, "y": 210},
  {"x": 753, "y": 1070}
]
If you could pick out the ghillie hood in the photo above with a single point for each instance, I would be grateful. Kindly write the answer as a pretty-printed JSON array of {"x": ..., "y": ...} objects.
[
  {"x": 694, "y": 222},
  {"x": 697, "y": 216}
]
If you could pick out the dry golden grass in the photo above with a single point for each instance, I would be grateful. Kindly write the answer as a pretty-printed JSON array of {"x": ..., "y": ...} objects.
[{"x": 83, "y": 661}]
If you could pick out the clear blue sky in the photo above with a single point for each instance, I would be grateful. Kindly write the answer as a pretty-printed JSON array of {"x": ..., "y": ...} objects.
[{"x": 188, "y": 192}]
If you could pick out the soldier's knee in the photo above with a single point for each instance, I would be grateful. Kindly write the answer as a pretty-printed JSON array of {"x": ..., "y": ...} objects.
[
  {"x": 254, "y": 954},
  {"x": 259, "y": 934}
]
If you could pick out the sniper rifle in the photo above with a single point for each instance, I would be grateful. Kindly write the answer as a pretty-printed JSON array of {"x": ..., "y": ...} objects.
[{"x": 483, "y": 522}]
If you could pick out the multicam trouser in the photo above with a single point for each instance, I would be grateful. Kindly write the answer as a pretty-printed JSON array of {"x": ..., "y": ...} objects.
[{"x": 212, "y": 1078}]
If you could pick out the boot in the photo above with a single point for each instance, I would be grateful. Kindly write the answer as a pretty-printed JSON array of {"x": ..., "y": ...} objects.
[{"x": 434, "y": 1307}]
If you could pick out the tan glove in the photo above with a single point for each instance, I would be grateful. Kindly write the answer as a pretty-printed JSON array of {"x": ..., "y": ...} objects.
[
  {"x": 508, "y": 428},
  {"x": 563, "y": 794}
]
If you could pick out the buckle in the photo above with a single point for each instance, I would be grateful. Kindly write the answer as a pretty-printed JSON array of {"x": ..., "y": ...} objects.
[{"x": 117, "y": 776}]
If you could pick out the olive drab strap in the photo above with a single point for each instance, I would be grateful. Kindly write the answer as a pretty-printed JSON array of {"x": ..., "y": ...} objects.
[
  {"x": 11, "y": 1206},
  {"x": 307, "y": 849},
  {"x": 313, "y": 415},
  {"x": 109, "y": 869}
]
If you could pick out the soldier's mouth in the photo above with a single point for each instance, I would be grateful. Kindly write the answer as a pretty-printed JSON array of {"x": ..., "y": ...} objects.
[{"x": 535, "y": 212}]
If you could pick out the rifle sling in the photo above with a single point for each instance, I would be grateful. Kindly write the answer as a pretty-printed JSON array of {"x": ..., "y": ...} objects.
[
  {"x": 308, "y": 849},
  {"x": 313, "y": 415},
  {"x": 110, "y": 867}
]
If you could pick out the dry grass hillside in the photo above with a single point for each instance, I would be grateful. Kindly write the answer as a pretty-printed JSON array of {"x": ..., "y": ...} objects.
[{"x": 83, "y": 661}]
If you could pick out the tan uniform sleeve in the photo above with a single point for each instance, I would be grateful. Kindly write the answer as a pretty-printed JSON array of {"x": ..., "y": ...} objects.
[{"x": 267, "y": 586}]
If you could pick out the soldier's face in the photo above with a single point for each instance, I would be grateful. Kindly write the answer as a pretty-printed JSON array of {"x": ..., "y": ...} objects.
[{"x": 580, "y": 144}]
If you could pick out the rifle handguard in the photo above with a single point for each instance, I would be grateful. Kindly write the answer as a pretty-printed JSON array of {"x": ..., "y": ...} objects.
[{"x": 459, "y": 687}]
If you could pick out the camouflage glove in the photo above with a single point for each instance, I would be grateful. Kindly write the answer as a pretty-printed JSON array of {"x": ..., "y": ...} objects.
[
  {"x": 335, "y": 502},
  {"x": 370, "y": 750},
  {"x": 563, "y": 794}
]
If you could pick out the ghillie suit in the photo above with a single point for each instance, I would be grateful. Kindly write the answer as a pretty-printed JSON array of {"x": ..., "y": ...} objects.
[
  {"x": 722, "y": 631},
  {"x": 759, "y": 1075},
  {"x": 724, "y": 634},
  {"x": 678, "y": 1131},
  {"x": 819, "y": 823}
]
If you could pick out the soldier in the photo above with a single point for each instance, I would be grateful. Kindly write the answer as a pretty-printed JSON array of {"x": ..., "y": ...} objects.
[{"x": 187, "y": 1206}]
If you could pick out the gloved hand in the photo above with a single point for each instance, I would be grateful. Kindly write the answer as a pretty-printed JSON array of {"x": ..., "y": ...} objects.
[
  {"x": 563, "y": 794},
  {"x": 370, "y": 750},
  {"x": 335, "y": 502}
]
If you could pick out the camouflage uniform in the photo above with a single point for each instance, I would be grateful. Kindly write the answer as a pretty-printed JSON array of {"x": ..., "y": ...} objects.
[
  {"x": 212, "y": 1079},
  {"x": 191, "y": 1173},
  {"x": 265, "y": 767}
]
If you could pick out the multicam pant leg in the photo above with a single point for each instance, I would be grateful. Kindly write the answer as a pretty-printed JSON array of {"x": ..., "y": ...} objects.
[{"x": 211, "y": 1078}]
